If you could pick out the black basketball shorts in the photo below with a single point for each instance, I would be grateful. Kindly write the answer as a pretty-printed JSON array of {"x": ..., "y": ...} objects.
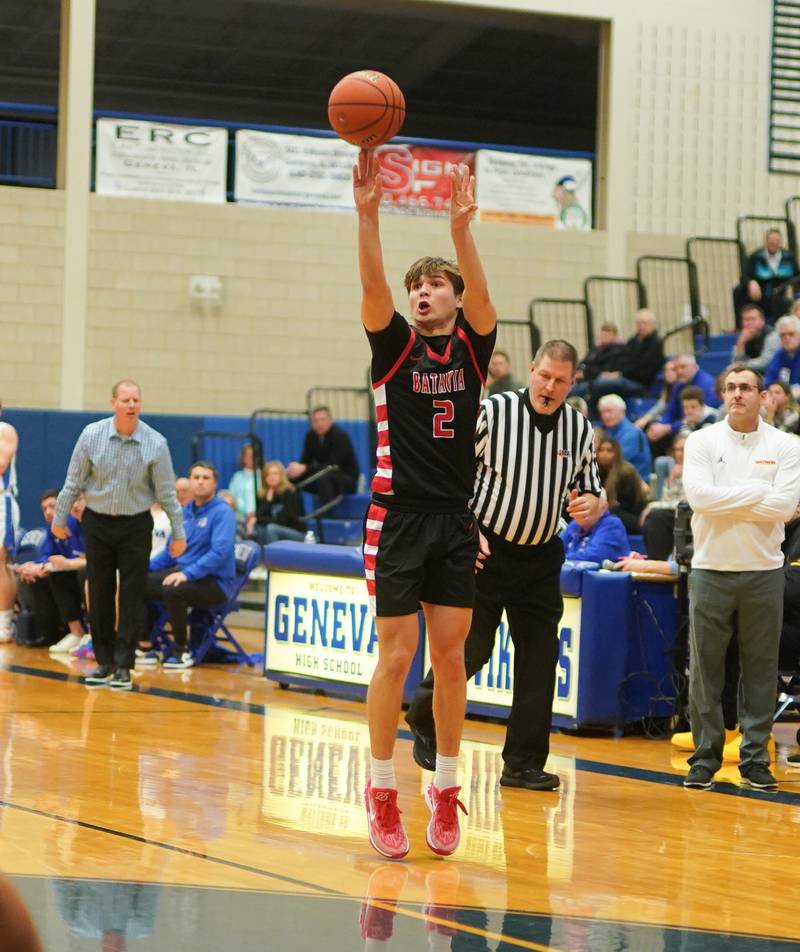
[{"x": 413, "y": 557}]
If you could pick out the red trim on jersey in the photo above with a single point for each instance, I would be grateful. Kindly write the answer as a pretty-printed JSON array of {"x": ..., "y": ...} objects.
[
  {"x": 399, "y": 361},
  {"x": 445, "y": 357},
  {"x": 463, "y": 335}
]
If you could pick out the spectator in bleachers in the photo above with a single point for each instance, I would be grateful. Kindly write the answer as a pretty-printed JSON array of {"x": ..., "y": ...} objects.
[
  {"x": 595, "y": 536},
  {"x": 696, "y": 414},
  {"x": 622, "y": 484},
  {"x": 632, "y": 441},
  {"x": 656, "y": 411},
  {"x": 56, "y": 579},
  {"x": 9, "y": 524},
  {"x": 781, "y": 408},
  {"x": 633, "y": 369},
  {"x": 205, "y": 574},
  {"x": 326, "y": 444},
  {"x": 279, "y": 508},
  {"x": 757, "y": 341},
  {"x": 241, "y": 523},
  {"x": 579, "y": 404},
  {"x": 243, "y": 484},
  {"x": 785, "y": 364},
  {"x": 183, "y": 490},
  {"x": 687, "y": 373},
  {"x": 765, "y": 273},
  {"x": 500, "y": 379},
  {"x": 600, "y": 356}
]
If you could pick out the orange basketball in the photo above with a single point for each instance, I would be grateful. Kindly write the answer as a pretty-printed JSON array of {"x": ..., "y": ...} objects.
[
  {"x": 366, "y": 108},
  {"x": 16, "y": 928}
]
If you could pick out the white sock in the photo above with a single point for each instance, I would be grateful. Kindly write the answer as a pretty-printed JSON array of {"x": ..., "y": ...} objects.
[
  {"x": 446, "y": 772},
  {"x": 381, "y": 773},
  {"x": 6, "y": 618}
]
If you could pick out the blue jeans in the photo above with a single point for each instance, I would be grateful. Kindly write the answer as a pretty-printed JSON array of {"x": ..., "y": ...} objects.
[{"x": 272, "y": 532}]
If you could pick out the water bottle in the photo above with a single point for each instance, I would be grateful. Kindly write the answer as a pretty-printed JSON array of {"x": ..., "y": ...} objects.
[
  {"x": 310, "y": 537},
  {"x": 361, "y": 486}
]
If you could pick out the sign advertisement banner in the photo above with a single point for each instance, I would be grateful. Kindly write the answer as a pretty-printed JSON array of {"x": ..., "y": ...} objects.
[
  {"x": 494, "y": 683},
  {"x": 534, "y": 189},
  {"x": 416, "y": 179},
  {"x": 140, "y": 159},
  {"x": 320, "y": 626},
  {"x": 277, "y": 169}
]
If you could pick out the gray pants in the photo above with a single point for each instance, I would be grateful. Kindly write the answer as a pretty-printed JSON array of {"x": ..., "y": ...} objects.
[{"x": 756, "y": 600}]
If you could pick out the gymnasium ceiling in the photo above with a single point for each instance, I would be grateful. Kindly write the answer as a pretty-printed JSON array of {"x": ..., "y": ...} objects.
[{"x": 467, "y": 73}]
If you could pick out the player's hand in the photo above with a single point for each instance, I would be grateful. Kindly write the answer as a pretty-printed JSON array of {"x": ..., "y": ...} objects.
[
  {"x": 60, "y": 532},
  {"x": 754, "y": 290},
  {"x": 483, "y": 550},
  {"x": 462, "y": 197},
  {"x": 177, "y": 547},
  {"x": 176, "y": 578},
  {"x": 367, "y": 184}
]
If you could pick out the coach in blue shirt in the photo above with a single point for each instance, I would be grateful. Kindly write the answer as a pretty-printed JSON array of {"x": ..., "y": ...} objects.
[
  {"x": 205, "y": 573},
  {"x": 122, "y": 466}
]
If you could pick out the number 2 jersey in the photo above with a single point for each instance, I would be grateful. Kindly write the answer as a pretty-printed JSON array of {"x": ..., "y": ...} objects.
[{"x": 427, "y": 394}]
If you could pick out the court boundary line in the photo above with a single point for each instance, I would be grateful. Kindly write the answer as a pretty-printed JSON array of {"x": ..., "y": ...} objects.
[{"x": 621, "y": 771}]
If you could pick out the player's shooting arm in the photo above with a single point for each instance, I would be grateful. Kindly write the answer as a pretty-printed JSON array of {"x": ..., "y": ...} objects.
[
  {"x": 377, "y": 305},
  {"x": 477, "y": 305}
]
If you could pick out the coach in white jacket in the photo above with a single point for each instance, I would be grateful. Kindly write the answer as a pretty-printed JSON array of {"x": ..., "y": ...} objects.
[{"x": 742, "y": 480}]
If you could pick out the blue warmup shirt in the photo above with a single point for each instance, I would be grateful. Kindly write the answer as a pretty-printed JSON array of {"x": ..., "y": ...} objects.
[
  {"x": 673, "y": 414},
  {"x": 784, "y": 367},
  {"x": 210, "y": 541},
  {"x": 634, "y": 445},
  {"x": 607, "y": 539},
  {"x": 71, "y": 548}
]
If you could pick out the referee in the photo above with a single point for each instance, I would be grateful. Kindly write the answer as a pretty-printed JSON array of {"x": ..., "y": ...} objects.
[
  {"x": 122, "y": 466},
  {"x": 532, "y": 452}
]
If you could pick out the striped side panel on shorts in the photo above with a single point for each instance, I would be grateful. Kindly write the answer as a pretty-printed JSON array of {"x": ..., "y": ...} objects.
[
  {"x": 382, "y": 480},
  {"x": 372, "y": 534}
]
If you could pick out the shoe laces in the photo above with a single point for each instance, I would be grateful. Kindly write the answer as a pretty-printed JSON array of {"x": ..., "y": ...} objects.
[
  {"x": 387, "y": 813},
  {"x": 445, "y": 812}
]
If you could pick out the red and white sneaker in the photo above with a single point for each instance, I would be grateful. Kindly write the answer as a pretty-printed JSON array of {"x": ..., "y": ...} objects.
[
  {"x": 443, "y": 834},
  {"x": 386, "y": 832}
]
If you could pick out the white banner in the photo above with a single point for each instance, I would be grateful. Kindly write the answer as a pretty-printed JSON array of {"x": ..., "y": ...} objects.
[
  {"x": 154, "y": 160},
  {"x": 277, "y": 169},
  {"x": 320, "y": 626},
  {"x": 494, "y": 683},
  {"x": 534, "y": 189}
]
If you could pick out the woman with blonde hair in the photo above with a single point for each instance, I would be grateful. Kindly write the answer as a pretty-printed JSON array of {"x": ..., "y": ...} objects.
[
  {"x": 781, "y": 408},
  {"x": 279, "y": 508}
]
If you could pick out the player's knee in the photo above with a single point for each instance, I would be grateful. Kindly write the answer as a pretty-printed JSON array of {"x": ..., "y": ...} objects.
[
  {"x": 396, "y": 663},
  {"x": 448, "y": 662}
]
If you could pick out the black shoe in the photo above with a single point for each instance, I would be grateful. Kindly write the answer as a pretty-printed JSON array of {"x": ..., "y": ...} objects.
[
  {"x": 793, "y": 761},
  {"x": 759, "y": 776},
  {"x": 424, "y": 751},
  {"x": 531, "y": 779},
  {"x": 699, "y": 778},
  {"x": 102, "y": 674},
  {"x": 121, "y": 680}
]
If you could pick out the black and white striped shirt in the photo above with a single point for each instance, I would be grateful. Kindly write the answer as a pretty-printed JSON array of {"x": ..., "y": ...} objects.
[{"x": 527, "y": 463}]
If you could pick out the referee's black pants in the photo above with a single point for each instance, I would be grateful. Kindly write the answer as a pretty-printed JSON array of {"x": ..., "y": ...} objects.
[
  {"x": 117, "y": 544},
  {"x": 526, "y": 582}
]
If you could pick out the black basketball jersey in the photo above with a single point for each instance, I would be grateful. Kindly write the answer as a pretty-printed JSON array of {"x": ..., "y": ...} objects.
[{"x": 427, "y": 394}]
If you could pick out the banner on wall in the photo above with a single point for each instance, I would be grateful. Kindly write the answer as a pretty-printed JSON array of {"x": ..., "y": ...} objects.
[
  {"x": 416, "y": 179},
  {"x": 141, "y": 159},
  {"x": 277, "y": 169},
  {"x": 534, "y": 189}
]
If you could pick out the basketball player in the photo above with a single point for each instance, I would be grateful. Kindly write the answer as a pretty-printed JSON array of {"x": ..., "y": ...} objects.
[
  {"x": 421, "y": 541},
  {"x": 9, "y": 523}
]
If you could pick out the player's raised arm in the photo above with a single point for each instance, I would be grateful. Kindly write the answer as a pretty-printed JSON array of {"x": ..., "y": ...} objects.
[
  {"x": 377, "y": 305},
  {"x": 477, "y": 305}
]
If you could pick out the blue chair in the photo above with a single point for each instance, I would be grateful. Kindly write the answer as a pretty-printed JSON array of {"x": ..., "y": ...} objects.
[{"x": 207, "y": 629}]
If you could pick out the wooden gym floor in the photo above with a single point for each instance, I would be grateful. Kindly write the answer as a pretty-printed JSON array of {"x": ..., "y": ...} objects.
[{"x": 208, "y": 809}]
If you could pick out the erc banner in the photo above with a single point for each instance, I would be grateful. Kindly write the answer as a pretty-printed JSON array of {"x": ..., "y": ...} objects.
[
  {"x": 494, "y": 683},
  {"x": 141, "y": 159},
  {"x": 534, "y": 189},
  {"x": 320, "y": 626}
]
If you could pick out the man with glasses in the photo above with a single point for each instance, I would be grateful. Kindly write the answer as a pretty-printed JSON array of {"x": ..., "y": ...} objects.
[
  {"x": 785, "y": 364},
  {"x": 742, "y": 480}
]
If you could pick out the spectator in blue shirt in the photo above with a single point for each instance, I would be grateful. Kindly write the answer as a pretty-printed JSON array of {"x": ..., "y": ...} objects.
[
  {"x": 785, "y": 364},
  {"x": 596, "y": 536},
  {"x": 635, "y": 448},
  {"x": 205, "y": 574},
  {"x": 686, "y": 373}
]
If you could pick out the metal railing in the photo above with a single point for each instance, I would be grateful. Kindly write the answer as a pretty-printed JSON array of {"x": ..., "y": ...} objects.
[
  {"x": 515, "y": 338},
  {"x": 614, "y": 299},
  {"x": 793, "y": 220},
  {"x": 566, "y": 318},
  {"x": 750, "y": 231},
  {"x": 671, "y": 288},
  {"x": 718, "y": 264}
]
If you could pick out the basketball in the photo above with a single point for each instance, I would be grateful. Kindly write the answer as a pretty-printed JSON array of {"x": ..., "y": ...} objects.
[
  {"x": 16, "y": 927},
  {"x": 366, "y": 108}
]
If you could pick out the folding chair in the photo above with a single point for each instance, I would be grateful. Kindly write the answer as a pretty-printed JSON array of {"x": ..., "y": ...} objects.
[{"x": 207, "y": 629}]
